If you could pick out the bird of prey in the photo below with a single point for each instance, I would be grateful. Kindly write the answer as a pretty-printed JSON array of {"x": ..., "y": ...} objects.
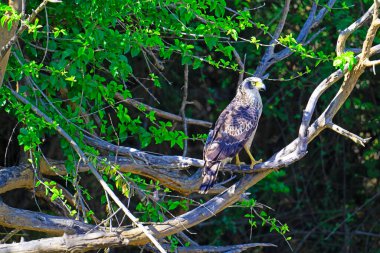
[{"x": 233, "y": 131}]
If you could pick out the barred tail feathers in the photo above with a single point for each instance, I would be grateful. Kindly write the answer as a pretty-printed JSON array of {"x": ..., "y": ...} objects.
[{"x": 210, "y": 171}]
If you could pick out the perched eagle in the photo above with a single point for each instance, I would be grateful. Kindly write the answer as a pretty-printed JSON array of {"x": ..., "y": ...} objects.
[{"x": 234, "y": 130}]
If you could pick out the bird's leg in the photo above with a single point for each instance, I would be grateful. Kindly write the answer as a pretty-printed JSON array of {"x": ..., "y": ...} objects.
[
  {"x": 238, "y": 163},
  {"x": 253, "y": 161}
]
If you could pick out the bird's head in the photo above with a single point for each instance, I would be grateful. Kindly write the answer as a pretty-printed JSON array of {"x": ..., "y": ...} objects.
[{"x": 251, "y": 84}]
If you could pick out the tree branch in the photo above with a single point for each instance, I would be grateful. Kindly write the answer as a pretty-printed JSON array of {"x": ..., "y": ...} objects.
[
  {"x": 183, "y": 106},
  {"x": 270, "y": 50},
  {"x": 355, "y": 138},
  {"x": 161, "y": 113},
  {"x": 312, "y": 21},
  {"x": 343, "y": 35},
  {"x": 68, "y": 243},
  {"x": 35, "y": 221}
]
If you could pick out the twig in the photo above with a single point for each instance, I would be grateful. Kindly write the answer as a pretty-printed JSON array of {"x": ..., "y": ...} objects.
[
  {"x": 9, "y": 235},
  {"x": 157, "y": 61},
  {"x": 183, "y": 106},
  {"x": 161, "y": 113},
  {"x": 145, "y": 88},
  {"x": 47, "y": 36},
  {"x": 369, "y": 63},
  {"x": 355, "y": 138},
  {"x": 82, "y": 156},
  {"x": 312, "y": 21}
]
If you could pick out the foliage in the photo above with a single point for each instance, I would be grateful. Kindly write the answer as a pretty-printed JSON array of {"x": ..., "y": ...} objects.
[{"x": 74, "y": 63}]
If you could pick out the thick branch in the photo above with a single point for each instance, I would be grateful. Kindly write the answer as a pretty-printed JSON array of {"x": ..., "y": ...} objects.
[
  {"x": 68, "y": 243},
  {"x": 199, "y": 214},
  {"x": 29, "y": 220},
  {"x": 15, "y": 177}
]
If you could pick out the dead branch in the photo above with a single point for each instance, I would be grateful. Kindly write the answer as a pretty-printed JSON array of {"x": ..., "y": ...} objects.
[
  {"x": 240, "y": 63},
  {"x": 197, "y": 215},
  {"x": 270, "y": 50},
  {"x": 355, "y": 138},
  {"x": 67, "y": 243},
  {"x": 343, "y": 35},
  {"x": 15, "y": 177},
  {"x": 36, "y": 221},
  {"x": 312, "y": 21}
]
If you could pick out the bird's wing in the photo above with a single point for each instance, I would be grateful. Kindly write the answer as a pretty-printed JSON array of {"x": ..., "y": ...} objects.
[{"x": 236, "y": 124}]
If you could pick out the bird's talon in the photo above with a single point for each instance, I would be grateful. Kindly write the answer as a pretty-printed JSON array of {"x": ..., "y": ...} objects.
[{"x": 254, "y": 162}]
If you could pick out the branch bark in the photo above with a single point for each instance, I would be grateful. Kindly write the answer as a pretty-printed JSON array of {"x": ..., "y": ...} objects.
[
  {"x": 36, "y": 221},
  {"x": 68, "y": 243}
]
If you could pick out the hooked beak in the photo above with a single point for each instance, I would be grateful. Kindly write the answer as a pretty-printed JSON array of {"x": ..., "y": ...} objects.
[{"x": 261, "y": 86}]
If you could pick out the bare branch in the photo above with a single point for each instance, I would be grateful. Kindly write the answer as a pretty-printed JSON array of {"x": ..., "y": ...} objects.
[
  {"x": 68, "y": 243},
  {"x": 343, "y": 36},
  {"x": 157, "y": 62},
  {"x": 35, "y": 221},
  {"x": 371, "y": 33},
  {"x": 199, "y": 214},
  {"x": 9, "y": 235},
  {"x": 161, "y": 113},
  {"x": 312, "y": 21},
  {"x": 355, "y": 138},
  {"x": 15, "y": 177},
  {"x": 145, "y": 88},
  {"x": 270, "y": 50},
  {"x": 369, "y": 63},
  {"x": 240, "y": 63}
]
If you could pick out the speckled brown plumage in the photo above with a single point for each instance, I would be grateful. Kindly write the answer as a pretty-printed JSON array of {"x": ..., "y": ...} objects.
[{"x": 234, "y": 129}]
